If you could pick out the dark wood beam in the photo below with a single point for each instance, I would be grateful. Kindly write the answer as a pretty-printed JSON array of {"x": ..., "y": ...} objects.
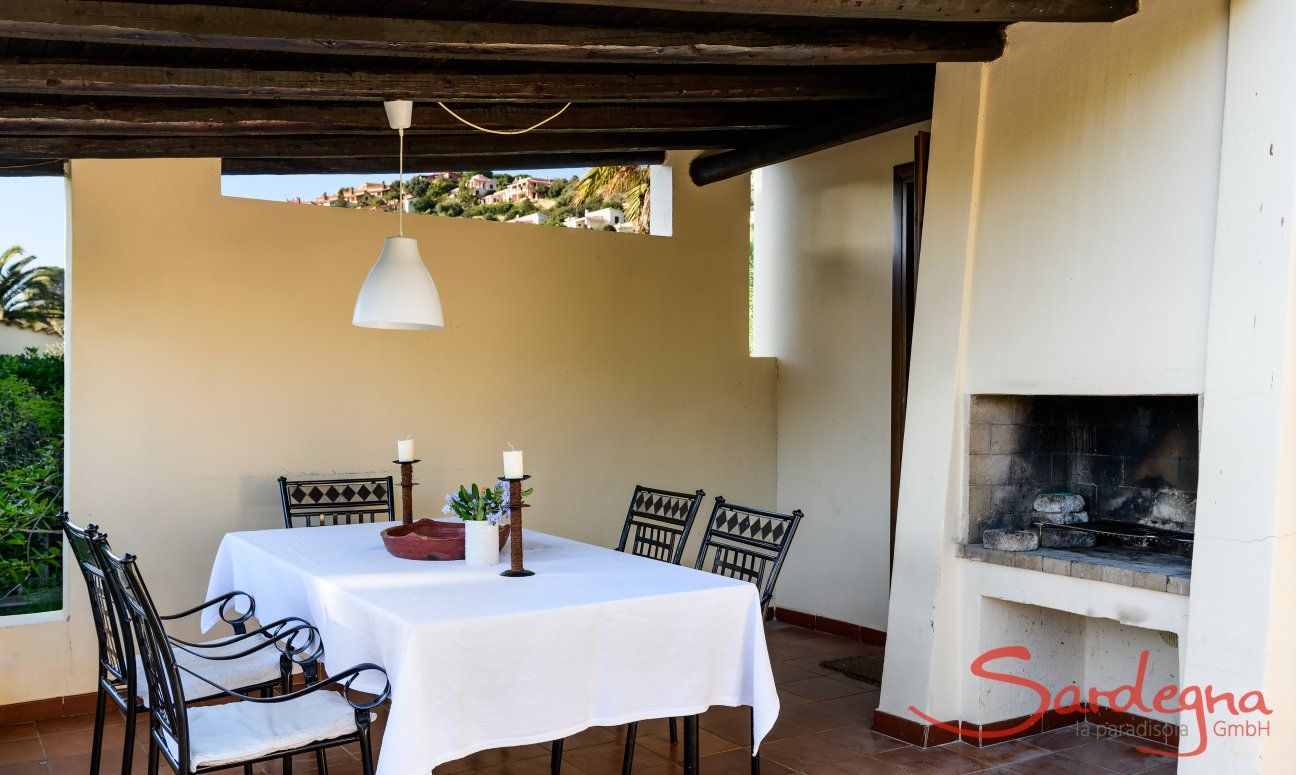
[
  {"x": 19, "y": 168},
  {"x": 657, "y": 84},
  {"x": 288, "y": 32},
  {"x": 39, "y": 147},
  {"x": 794, "y": 143},
  {"x": 918, "y": 10},
  {"x": 207, "y": 118},
  {"x": 383, "y": 164}
]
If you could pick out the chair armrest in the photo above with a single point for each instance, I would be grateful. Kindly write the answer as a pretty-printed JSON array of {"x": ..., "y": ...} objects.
[
  {"x": 344, "y": 679},
  {"x": 296, "y": 639},
  {"x": 231, "y": 617}
]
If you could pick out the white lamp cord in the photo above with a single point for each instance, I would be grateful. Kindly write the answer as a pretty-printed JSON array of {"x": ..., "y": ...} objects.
[
  {"x": 400, "y": 193},
  {"x": 480, "y": 128}
]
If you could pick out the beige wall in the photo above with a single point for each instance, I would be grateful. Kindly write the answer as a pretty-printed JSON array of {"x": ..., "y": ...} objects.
[
  {"x": 823, "y": 241},
  {"x": 211, "y": 349}
]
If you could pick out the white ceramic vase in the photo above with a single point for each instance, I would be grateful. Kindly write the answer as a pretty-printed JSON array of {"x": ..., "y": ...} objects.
[{"x": 481, "y": 542}]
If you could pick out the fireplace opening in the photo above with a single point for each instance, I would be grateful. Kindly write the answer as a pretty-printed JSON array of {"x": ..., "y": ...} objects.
[{"x": 1098, "y": 480}]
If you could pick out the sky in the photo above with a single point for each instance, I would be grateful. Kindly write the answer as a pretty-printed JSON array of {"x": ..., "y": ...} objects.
[
  {"x": 33, "y": 211},
  {"x": 281, "y": 187},
  {"x": 33, "y": 214}
]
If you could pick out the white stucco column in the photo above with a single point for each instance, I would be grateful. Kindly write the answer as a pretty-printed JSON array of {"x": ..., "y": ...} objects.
[
  {"x": 1242, "y": 612},
  {"x": 922, "y": 650}
]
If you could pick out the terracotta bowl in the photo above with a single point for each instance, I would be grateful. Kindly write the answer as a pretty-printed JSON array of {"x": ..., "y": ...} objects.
[{"x": 429, "y": 539}]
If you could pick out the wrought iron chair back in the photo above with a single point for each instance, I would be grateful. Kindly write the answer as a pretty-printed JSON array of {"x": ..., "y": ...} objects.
[
  {"x": 116, "y": 649},
  {"x": 168, "y": 722},
  {"x": 337, "y": 501},
  {"x": 658, "y": 522},
  {"x": 749, "y": 544}
]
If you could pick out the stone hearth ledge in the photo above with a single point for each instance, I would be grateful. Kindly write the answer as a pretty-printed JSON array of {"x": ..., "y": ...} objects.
[{"x": 1160, "y": 573}]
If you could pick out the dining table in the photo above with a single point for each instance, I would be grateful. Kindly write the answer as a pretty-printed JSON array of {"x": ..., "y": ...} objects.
[{"x": 478, "y": 661}]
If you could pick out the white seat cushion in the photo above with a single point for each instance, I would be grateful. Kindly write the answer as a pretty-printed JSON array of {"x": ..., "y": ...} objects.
[
  {"x": 258, "y": 667},
  {"x": 240, "y": 731}
]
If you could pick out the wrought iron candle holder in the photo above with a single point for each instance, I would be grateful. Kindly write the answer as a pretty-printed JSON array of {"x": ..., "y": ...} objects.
[
  {"x": 407, "y": 485},
  {"x": 515, "y": 506}
]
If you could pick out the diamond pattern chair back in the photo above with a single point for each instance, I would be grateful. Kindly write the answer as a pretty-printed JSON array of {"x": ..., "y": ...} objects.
[
  {"x": 167, "y": 718},
  {"x": 657, "y": 523},
  {"x": 116, "y": 650},
  {"x": 336, "y": 501},
  {"x": 749, "y": 544}
]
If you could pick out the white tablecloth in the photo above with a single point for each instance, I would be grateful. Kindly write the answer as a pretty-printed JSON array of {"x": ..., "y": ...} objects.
[{"x": 477, "y": 661}]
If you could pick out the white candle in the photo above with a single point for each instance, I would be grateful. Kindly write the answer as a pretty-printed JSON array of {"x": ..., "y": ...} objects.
[
  {"x": 512, "y": 464},
  {"x": 405, "y": 449}
]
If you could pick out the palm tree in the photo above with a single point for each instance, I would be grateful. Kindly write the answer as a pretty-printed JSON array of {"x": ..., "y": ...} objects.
[
  {"x": 31, "y": 297},
  {"x": 629, "y": 184}
]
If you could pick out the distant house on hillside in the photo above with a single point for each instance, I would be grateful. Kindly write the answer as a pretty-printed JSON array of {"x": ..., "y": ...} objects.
[
  {"x": 598, "y": 219},
  {"x": 524, "y": 188},
  {"x": 480, "y": 185},
  {"x": 535, "y": 218},
  {"x": 432, "y": 177},
  {"x": 15, "y": 339}
]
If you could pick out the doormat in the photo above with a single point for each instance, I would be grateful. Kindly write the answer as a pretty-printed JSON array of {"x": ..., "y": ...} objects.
[{"x": 866, "y": 668}]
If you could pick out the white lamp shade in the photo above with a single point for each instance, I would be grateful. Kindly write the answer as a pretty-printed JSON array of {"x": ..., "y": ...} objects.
[{"x": 399, "y": 292}]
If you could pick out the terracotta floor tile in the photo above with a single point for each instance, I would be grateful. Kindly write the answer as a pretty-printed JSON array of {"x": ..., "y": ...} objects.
[
  {"x": 811, "y": 665},
  {"x": 18, "y": 751},
  {"x": 861, "y": 705},
  {"x": 596, "y": 736},
  {"x": 54, "y": 726},
  {"x": 1059, "y": 739},
  {"x": 861, "y": 738},
  {"x": 79, "y": 741},
  {"x": 1055, "y": 764},
  {"x": 816, "y": 717},
  {"x": 737, "y": 762},
  {"x": 787, "y": 699},
  {"x": 806, "y": 753},
  {"x": 708, "y": 743},
  {"x": 999, "y": 754},
  {"x": 25, "y": 768},
  {"x": 17, "y": 732},
  {"x": 930, "y": 761},
  {"x": 1114, "y": 755},
  {"x": 785, "y": 672},
  {"x": 824, "y": 687},
  {"x": 607, "y": 757},
  {"x": 863, "y": 765}
]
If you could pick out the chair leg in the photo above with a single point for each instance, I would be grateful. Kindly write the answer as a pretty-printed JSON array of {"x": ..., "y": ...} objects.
[
  {"x": 101, "y": 707},
  {"x": 155, "y": 754},
  {"x": 366, "y": 755},
  {"x": 321, "y": 763},
  {"x": 690, "y": 745},
  {"x": 128, "y": 742},
  {"x": 627, "y": 759},
  {"x": 670, "y": 723},
  {"x": 755, "y": 757},
  {"x": 555, "y": 757}
]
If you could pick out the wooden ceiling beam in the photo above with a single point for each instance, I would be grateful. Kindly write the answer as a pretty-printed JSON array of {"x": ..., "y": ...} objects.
[
  {"x": 382, "y": 165},
  {"x": 915, "y": 10},
  {"x": 658, "y": 84},
  {"x": 191, "y": 26},
  {"x": 209, "y": 117},
  {"x": 794, "y": 143},
  {"x": 38, "y": 147}
]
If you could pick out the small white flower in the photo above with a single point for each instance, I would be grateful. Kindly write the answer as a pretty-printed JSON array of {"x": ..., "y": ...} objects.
[{"x": 446, "y": 509}]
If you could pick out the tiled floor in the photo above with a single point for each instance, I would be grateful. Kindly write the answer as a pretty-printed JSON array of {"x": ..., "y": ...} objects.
[{"x": 824, "y": 727}]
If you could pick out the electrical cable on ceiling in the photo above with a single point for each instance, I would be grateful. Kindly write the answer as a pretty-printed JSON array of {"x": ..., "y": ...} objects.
[{"x": 478, "y": 127}]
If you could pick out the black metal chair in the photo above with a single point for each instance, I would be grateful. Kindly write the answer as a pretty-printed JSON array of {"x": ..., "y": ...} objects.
[
  {"x": 658, "y": 522},
  {"x": 742, "y": 543},
  {"x": 228, "y": 658},
  {"x": 197, "y": 740},
  {"x": 337, "y": 501}
]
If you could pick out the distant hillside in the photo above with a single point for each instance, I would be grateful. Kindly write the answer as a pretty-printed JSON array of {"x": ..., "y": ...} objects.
[{"x": 484, "y": 195}]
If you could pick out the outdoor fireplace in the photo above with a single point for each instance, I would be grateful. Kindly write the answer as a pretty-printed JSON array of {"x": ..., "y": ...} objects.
[{"x": 1133, "y": 460}]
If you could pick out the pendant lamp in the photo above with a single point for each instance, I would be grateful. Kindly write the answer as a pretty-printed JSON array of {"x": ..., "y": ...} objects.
[{"x": 399, "y": 293}]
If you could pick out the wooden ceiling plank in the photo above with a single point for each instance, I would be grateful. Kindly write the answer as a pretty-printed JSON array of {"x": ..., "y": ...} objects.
[
  {"x": 383, "y": 164},
  {"x": 189, "y": 27},
  {"x": 1007, "y": 11},
  {"x": 659, "y": 84},
  {"x": 209, "y": 117},
  {"x": 794, "y": 143},
  {"x": 37, "y": 147}
]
